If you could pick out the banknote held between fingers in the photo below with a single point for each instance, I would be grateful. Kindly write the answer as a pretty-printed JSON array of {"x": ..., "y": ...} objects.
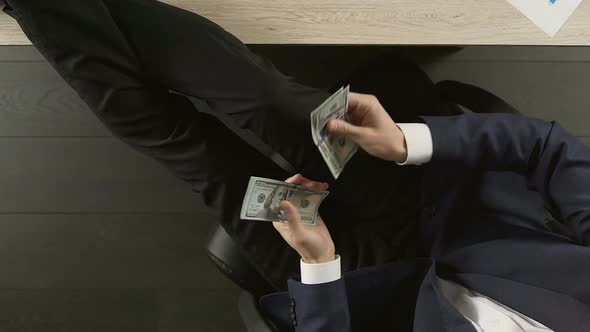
[
  {"x": 313, "y": 243},
  {"x": 372, "y": 128}
]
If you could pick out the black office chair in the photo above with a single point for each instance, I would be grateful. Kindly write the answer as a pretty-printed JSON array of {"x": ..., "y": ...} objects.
[{"x": 231, "y": 261}]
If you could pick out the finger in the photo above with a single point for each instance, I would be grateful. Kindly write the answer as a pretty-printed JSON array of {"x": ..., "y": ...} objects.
[
  {"x": 343, "y": 128},
  {"x": 353, "y": 100},
  {"x": 354, "y": 103},
  {"x": 295, "y": 179},
  {"x": 322, "y": 186},
  {"x": 360, "y": 97},
  {"x": 303, "y": 181},
  {"x": 358, "y": 105},
  {"x": 293, "y": 217},
  {"x": 280, "y": 226},
  {"x": 314, "y": 184}
]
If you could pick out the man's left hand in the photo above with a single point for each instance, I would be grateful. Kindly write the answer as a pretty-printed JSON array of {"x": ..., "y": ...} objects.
[{"x": 313, "y": 242}]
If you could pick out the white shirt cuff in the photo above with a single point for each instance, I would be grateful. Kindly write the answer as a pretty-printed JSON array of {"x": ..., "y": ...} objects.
[
  {"x": 419, "y": 142},
  {"x": 312, "y": 274}
]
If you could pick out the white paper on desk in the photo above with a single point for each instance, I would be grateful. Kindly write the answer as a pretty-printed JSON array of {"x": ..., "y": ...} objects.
[{"x": 549, "y": 15}]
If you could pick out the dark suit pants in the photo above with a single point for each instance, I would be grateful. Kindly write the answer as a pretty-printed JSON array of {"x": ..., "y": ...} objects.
[{"x": 135, "y": 61}]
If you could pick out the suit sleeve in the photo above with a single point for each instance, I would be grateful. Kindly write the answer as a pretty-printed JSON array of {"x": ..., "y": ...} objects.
[
  {"x": 320, "y": 307},
  {"x": 555, "y": 163}
]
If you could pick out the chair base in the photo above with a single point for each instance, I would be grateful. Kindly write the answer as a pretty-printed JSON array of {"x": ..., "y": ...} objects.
[{"x": 251, "y": 317}]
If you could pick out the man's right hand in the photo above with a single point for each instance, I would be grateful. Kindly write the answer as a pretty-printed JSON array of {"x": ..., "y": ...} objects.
[{"x": 372, "y": 128}]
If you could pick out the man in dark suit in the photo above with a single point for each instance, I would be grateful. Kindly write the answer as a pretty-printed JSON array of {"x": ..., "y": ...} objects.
[
  {"x": 491, "y": 263},
  {"x": 476, "y": 205},
  {"x": 134, "y": 62}
]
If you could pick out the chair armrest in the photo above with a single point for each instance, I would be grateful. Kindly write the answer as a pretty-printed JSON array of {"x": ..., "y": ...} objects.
[
  {"x": 231, "y": 261},
  {"x": 473, "y": 98}
]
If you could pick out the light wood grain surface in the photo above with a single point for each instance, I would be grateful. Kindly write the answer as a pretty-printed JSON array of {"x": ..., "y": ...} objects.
[{"x": 432, "y": 22}]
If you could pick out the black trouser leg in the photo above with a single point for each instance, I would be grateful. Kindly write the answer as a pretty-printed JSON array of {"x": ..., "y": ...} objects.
[
  {"x": 123, "y": 57},
  {"x": 89, "y": 44}
]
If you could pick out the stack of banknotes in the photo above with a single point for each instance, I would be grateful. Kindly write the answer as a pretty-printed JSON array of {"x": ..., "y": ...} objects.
[
  {"x": 263, "y": 196},
  {"x": 336, "y": 150}
]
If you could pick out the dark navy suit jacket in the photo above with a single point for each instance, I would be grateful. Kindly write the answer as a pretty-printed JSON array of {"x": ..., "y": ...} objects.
[{"x": 484, "y": 227}]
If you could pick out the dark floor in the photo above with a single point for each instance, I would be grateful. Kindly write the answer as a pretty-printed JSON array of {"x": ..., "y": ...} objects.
[{"x": 95, "y": 237}]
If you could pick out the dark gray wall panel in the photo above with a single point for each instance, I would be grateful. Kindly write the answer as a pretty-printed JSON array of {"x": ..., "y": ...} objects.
[
  {"x": 119, "y": 310},
  {"x": 86, "y": 175},
  {"x": 83, "y": 218},
  {"x": 78, "y": 310},
  {"x": 199, "y": 310},
  {"x": 108, "y": 251},
  {"x": 20, "y": 54},
  {"x": 490, "y": 53},
  {"x": 35, "y": 101},
  {"x": 547, "y": 90},
  {"x": 519, "y": 53}
]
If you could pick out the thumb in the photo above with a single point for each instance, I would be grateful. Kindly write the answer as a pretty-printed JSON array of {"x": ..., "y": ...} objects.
[
  {"x": 292, "y": 215},
  {"x": 343, "y": 128}
]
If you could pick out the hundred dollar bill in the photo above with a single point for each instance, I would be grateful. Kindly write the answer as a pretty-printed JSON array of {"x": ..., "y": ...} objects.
[
  {"x": 263, "y": 196},
  {"x": 336, "y": 151},
  {"x": 333, "y": 102}
]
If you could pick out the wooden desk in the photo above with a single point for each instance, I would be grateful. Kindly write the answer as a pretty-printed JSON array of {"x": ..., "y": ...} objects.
[{"x": 407, "y": 22}]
